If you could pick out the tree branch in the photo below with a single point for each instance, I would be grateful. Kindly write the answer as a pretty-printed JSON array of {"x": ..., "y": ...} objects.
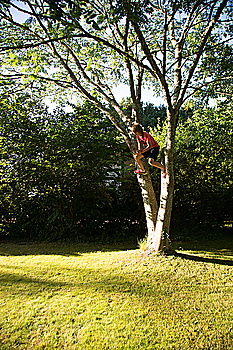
[
  {"x": 27, "y": 46},
  {"x": 199, "y": 88},
  {"x": 189, "y": 22},
  {"x": 36, "y": 76},
  {"x": 99, "y": 86},
  {"x": 84, "y": 34},
  {"x": 165, "y": 44},
  {"x": 156, "y": 71},
  {"x": 200, "y": 49}
]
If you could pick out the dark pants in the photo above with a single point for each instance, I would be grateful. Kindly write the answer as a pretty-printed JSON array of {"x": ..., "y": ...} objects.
[{"x": 152, "y": 153}]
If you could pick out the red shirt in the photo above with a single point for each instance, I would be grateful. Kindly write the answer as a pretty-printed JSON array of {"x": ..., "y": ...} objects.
[{"x": 147, "y": 140}]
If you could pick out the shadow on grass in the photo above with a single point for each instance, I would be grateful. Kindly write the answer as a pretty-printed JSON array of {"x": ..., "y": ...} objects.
[
  {"x": 93, "y": 283},
  {"x": 215, "y": 251},
  {"x": 63, "y": 249},
  {"x": 11, "y": 279},
  {"x": 73, "y": 280},
  {"x": 204, "y": 259}
]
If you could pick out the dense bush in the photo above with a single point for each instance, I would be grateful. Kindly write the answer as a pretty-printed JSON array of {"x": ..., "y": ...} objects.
[
  {"x": 203, "y": 168},
  {"x": 203, "y": 197},
  {"x": 61, "y": 175},
  {"x": 66, "y": 175}
]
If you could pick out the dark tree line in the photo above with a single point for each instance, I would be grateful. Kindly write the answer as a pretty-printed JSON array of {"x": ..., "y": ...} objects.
[
  {"x": 61, "y": 173},
  {"x": 69, "y": 175}
]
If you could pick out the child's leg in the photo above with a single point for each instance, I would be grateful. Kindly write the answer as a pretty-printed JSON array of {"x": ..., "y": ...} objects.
[
  {"x": 138, "y": 158},
  {"x": 156, "y": 164}
]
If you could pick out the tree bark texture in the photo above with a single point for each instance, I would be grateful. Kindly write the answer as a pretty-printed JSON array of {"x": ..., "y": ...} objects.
[
  {"x": 149, "y": 201},
  {"x": 160, "y": 240}
]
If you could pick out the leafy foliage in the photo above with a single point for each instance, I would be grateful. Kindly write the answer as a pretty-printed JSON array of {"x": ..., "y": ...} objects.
[
  {"x": 203, "y": 171},
  {"x": 65, "y": 175},
  {"x": 61, "y": 173},
  {"x": 204, "y": 190}
]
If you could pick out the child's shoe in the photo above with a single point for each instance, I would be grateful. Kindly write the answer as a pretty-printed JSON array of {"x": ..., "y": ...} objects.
[
  {"x": 164, "y": 174},
  {"x": 139, "y": 171}
]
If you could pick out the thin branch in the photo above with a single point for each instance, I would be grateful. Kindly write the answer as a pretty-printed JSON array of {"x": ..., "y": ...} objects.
[
  {"x": 17, "y": 76},
  {"x": 118, "y": 31},
  {"x": 165, "y": 44},
  {"x": 200, "y": 88},
  {"x": 23, "y": 27},
  {"x": 26, "y": 46},
  {"x": 15, "y": 90},
  {"x": 78, "y": 85},
  {"x": 189, "y": 22},
  {"x": 38, "y": 18},
  {"x": 139, "y": 84},
  {"x": 99, "y": 86},
  {"x": 200, "y": 50},
  {"x": 20, "y": 9},
  {"x": 115, "y": 48},
  {"x": 86, "y": 35},
  {"x": 156, "y": 71},
  {"x": 211, "y": 10},
  {"x": 128, "y": 63}
]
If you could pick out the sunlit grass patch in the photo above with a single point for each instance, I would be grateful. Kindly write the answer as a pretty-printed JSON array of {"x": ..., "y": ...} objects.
[{"x": 64, "y": 297}]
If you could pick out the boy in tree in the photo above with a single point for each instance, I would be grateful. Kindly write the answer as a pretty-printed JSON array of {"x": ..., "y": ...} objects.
[{"x": 147, "y": 148}]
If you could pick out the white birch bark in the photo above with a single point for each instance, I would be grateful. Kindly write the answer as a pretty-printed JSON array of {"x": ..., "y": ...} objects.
[
  {"x": 150, "y": 204},
  {"x": 160, "y": 241}
]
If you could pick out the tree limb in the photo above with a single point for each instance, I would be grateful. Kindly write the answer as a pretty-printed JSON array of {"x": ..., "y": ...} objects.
[
  {"x": 27, "y": 46},
  {"x": 200, "y": 49},
  {"x": 199, "y": 88},
  {"x": 156, "y": 71}
]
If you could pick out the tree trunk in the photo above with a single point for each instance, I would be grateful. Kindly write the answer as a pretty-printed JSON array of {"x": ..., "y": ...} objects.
[
  {"x": 160, "y": 241},
  {"x": 149, "y": 201}
]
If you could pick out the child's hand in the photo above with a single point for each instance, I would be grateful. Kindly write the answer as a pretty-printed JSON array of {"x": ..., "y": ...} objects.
[{"x": 136, "y": 154}]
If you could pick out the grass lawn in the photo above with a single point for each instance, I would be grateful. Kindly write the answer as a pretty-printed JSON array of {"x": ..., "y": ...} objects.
[{"x": 55, "y": 296}]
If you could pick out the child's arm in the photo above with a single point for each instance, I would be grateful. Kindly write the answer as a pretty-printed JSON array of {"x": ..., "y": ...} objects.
[
  {"x": 148, "y": 147},
  {"x": 139, "y": 146}
]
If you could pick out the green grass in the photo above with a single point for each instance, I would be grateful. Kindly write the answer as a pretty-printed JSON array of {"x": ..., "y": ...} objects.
[{"x": 80, "y": 297}]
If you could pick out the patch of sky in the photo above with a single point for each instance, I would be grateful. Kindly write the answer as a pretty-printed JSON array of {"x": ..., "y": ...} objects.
[{"x": 19, "y": 16}]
